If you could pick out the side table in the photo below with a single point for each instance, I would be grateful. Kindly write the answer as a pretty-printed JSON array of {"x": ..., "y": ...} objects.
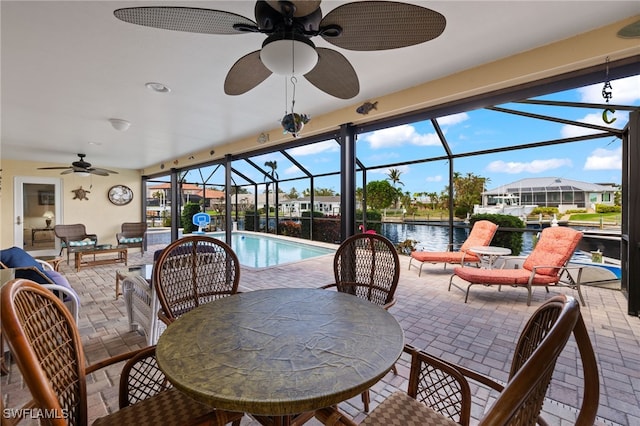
[{"x": 489, "y": 254}]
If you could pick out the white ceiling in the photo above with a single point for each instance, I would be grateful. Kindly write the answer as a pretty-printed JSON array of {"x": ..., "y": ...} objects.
[{"x": 69, "y": 66}]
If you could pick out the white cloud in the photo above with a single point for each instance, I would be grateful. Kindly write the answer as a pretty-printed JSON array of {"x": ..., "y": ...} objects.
[
  {"x": 450, "y": 120},
  {"x": 604, "y": 159},
  {"x": 293, "y": 170},
  {"x": 315, "y": 148},
  {"x": 625, "y": 91},
  {"x": 437, "y": 178},
  {"x": 399, "y": 136},
  {"x": 535, "y": 166}
]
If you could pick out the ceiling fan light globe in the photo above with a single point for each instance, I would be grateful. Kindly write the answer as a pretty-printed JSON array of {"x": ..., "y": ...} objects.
[
  {"x": 82, "y": 174},
  {"x": 289, "y": 57}
]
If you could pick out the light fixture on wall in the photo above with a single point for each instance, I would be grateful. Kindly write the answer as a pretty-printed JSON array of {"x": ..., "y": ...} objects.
[
  {"x": 119, "y": 124},
  {"x": 48, "y": 215}
]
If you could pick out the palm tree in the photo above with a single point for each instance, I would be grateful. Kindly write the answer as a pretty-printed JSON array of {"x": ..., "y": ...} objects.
[{"x": 394, "y": 177}]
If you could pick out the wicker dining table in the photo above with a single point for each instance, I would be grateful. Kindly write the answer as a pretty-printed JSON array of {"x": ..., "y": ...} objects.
[{"x": 280, "y": 354}]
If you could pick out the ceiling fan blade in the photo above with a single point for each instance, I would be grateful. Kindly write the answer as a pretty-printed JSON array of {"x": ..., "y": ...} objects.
[
  {"x": 245, "y": 74},
  {"x": 54, "y": 168},
  {"x": 333, "y": 74},
  {"x": 382, "y": 25},
  {"x": 68, "y": 171},
  {"x": 189, "y": 19},
  {"x": 302, "y": 7},
  {"x": 101, "y": 172}
]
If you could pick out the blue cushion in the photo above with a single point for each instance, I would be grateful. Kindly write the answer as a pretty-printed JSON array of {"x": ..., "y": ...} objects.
[
  {"x": 82, "y": 243},
  {"x": 130, "y": 240},
  {"x": 15, "y": 257},
  {"x": 59, "y": 279}
]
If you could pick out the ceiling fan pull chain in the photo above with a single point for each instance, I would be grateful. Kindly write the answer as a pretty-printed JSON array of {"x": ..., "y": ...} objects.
[{"x": 294, "y": 80}]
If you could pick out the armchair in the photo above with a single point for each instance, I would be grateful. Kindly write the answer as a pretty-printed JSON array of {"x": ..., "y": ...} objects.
[
  {"x": 50, "y": 356},
  {"x": 74, "y": 237},
  {"x": 367, "y": 266},
  {"x": 133, "y": 234},
  {"x": 439, "y": 391},
  {"x": 193, "y": 271}
]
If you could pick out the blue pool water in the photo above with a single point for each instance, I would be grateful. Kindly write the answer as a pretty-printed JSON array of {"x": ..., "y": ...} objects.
[{"x": 261, "y": 251}]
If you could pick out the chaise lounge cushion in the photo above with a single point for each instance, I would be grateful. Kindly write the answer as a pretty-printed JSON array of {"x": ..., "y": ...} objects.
[
  {"x": 557, "y": 249},
  {"x": 444, "y": 256},
  {"x": 503, "y": 276}
]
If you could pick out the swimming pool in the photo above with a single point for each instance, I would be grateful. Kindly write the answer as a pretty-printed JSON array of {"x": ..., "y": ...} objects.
[{"x": 262, "y": 251}]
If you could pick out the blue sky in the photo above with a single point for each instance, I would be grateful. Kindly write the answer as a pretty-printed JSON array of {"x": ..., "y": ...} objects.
[{"x": 598, "y": 160}]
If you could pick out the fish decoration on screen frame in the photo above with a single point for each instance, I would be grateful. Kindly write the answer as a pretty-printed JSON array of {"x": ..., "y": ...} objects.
[{"x": 366, "y": 107}]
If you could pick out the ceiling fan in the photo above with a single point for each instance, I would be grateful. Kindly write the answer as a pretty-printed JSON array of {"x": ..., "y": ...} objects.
[
  {"x": 81, "y": 167},
  {"x": 289, "y": 27}
]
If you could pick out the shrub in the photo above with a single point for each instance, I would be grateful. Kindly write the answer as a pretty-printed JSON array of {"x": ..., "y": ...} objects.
[
  {"x": 606, "y": 208},
  {"x": 249, "y": 218},
  {"x": 406, "y": 247},
  {"x": 508, "y": 239},
  {"x": 545, "y": 211},
  {"x": 188, "y": 211},
  {"x": 290, "y": 228}
]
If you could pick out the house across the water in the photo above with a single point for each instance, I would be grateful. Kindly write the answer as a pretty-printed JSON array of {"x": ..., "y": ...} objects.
[{"x": 565, "y": 194}]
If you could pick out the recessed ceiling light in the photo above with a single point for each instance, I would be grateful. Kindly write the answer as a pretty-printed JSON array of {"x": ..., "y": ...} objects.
[
  {"x": 119, "y": 124},
  {"x": 158, "y": 87}
]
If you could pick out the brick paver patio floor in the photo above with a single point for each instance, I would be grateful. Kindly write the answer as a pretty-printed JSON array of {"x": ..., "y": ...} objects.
[{"x": 479, "y": 335}]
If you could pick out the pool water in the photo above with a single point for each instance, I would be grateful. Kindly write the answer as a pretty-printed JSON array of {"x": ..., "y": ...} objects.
[{"x": 262, "y": 251}]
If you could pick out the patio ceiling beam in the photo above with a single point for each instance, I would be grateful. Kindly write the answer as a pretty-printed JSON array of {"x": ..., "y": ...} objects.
[{"x": 577, "y": 104}]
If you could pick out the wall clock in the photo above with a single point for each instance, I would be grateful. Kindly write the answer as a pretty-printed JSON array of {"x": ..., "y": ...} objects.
[{"x": 120, "y": 195}]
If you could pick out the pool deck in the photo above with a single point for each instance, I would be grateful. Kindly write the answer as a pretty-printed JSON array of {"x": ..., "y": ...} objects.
[{"x": 479, "y": 335}]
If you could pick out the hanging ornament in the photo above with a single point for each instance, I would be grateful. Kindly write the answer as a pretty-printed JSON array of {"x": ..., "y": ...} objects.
[
  {"x": 293, "y": 122},
  {"x": 607, "y": 93}
]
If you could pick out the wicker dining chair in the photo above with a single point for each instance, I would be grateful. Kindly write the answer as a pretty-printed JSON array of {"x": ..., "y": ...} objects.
[
  {"x": 48, "y": 350},
  {"x": 192, "y": 271},
  {"x": 439, "y": 392},
  {"x": 367, "y": 266}
]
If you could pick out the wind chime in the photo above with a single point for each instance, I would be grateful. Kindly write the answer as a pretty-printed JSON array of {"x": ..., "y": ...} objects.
[
  {"x": 292, "y": 122},
  {"x": 607, "y": 93}
]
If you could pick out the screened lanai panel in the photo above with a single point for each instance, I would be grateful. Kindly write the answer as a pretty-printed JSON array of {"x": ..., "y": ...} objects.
[
  {"x": 533, "y": 121},
  {"x": 273, "y": 164},
  {"x": 403, "y": 143},
  {"x": 318, "y": 158},
  {"x": 571, "y": 169}
]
